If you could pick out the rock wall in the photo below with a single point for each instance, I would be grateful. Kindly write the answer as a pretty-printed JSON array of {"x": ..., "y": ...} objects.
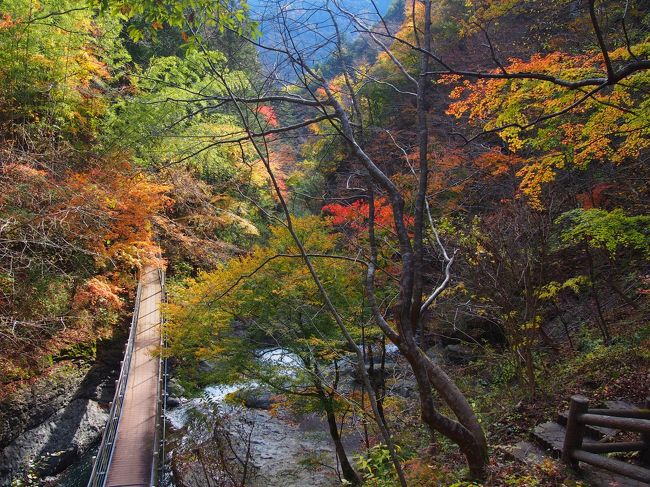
[{"x": 48, "y": 425}]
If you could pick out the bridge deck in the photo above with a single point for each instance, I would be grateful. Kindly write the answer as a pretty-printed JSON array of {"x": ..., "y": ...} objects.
[{"x": 133, "y": 453}]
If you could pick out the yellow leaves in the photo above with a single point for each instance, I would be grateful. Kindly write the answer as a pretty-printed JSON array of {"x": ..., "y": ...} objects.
[
  {"x": 211, "y": 351},
  {"x": 535, "y": 174},
  {"x": 642, "y": 49},
  {"x": 486, "y": 11},
  {"x": 553, "y": 128},
  {"x": 533, "y": 324},
  {"x": 550, "y": 291}
]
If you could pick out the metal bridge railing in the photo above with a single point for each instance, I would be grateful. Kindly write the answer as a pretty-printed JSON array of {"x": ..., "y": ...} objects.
[
  {"x": 158, "y": 466},
  {"x": 105, "y": 452}
]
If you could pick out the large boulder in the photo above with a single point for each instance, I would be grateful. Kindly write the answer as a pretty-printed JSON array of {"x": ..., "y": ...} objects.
[
  {"x": 55, "y": 444},
  {"x": 459, "y": 354},
  {"x": 254, "y": 398}
]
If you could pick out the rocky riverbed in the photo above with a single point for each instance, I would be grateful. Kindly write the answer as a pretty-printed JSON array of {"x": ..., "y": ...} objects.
[{"x": 284, "y": 450}]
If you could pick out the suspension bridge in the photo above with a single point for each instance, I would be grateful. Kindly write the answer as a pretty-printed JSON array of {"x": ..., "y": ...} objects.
[{"x": 132, "y": 451}]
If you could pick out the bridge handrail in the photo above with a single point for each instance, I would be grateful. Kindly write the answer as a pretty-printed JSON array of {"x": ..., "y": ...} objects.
[
  {"x": 158, "y": 468},
  {"x": 106, "y": 448}
]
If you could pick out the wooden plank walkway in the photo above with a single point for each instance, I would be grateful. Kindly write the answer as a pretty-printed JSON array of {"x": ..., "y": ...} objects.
[{"x": 133, "y": 453}]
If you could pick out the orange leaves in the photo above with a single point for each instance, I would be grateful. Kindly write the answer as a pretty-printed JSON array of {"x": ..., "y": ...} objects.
[
  {"x": 483, "y": 98},
  {"x": 496, "y": 162},
  {"x": 597, "y": 196},
  {"x": 122, "y": 205},
  {"x": 97, "y": 292},
  {"x": 549, "y": 127},
  {"x": 6, "y": 21},
  {"x": 22, "y": 173},
  {"x": 572, "y": 65},
  {"x": 268, "y": 114}
]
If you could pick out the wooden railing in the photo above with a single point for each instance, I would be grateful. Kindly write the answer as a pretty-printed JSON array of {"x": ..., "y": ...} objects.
[{"x": 576, "y": 450}]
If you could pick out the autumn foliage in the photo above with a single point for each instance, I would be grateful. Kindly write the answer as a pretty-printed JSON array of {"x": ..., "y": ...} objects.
[
  {"x": 355, "y": 215},
  {"x": 596, "y": 125},
  {"x": 268, "y": 114}
]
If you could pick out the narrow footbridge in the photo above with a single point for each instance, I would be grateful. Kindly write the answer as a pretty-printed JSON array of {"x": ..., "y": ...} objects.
[{"x": 132, "y": 450}]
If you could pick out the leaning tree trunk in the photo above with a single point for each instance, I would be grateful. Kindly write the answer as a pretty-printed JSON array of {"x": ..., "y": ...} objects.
[
  {"x": 466, "y": 432},
  {"x": 347, "y": 470}
]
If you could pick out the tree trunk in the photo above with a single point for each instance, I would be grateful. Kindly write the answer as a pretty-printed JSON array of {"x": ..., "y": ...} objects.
[
  {"x": 347, "y": 470},
  {"x": 466, "y": 432}
]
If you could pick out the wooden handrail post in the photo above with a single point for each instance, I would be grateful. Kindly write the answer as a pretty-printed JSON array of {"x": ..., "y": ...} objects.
[
  {"x": 575, "y": 431},
  {"x": 645, "y": 437}
]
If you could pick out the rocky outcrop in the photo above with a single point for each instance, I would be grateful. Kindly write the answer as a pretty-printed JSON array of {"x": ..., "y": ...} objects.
[
  {"x": 55, "y": 444},
  {"x": 49, "y": 424},
  {"x": 32, "y": 406}
]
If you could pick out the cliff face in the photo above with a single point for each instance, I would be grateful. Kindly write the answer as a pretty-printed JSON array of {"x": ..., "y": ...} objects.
[{"x": 47, "y": 425}]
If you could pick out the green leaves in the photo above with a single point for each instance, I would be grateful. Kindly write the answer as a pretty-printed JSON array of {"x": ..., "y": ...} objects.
[
  {"x": 611, "y": 230},
  {"x": 190, "y": 16},
  {"x": 56, "y": 60},
  {"x": 272, "y": 298}
]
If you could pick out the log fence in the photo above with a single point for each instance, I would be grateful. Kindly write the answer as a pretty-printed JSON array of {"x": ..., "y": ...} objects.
[{"x": 576, "y": 450}]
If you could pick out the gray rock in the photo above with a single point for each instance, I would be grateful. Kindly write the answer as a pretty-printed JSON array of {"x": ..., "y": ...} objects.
[
  {"x": 173, "y": 402},
  {"x": 525, "y": 452},
  {"x": 254, "y": 398},
  {"x": 55, "y": 444},
  {"x": 459, "y": 354},
  {"x": 435, "y": 352}
]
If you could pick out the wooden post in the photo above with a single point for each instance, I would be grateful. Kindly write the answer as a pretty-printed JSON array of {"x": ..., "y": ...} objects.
[
  {"x": 575, "y": 430},
  {"x": 645, "y": 437}
]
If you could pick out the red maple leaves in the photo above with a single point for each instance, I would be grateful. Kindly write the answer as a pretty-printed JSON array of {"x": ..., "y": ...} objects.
[
  {"x": 269, "y": 115},
  {"x": 356, "y": 215}
]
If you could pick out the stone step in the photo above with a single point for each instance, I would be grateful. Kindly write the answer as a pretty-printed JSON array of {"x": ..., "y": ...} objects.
[
  {"x": 619, "y": 405},
  {"x": 524, "y": 451},
  {"x": 596, "y": 432},
  {"x": 550, "y": 436},
  {"x": 530, "y": 454}
]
